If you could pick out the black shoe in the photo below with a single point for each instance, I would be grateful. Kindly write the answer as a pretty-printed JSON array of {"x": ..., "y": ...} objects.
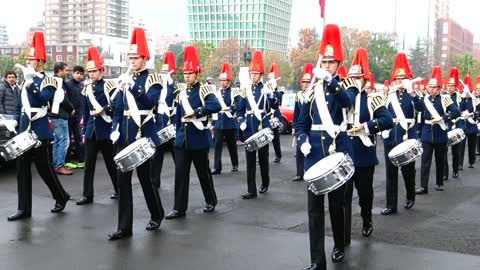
[
  {"x": 445, "y": 178},
  {"x": 235, "y": 169},
  {"x": 85, "y": 200},
  {"x": 119, "y": 235},
  {"x": 439, "y": 187},
  {"x": 249, "y": 195},
  {"x": 388, "y": 211},
  {"x": 367, "y": 229},
  {"x": 460, "y": 167},
  {"x": 209, "y": 208},
  {"x": 263, "y": 189},
  {"x": 175, "y": 214},
  {"x": 277, "y": 160},
  {"x": 60, "y": 205},
  {"x": 455, "y": 175},
  {"x": 312, "y": 266},
  {"x": 337, "y": 255},
  {"x": 215, "y": 172},
  {"x": 409, "y": 204},
  {"x": 153, "y": 225},
  {"x": 114, "y": 196},
  {"x": 297, "y": 178},
  {"x": 19, "y": 215},
  {"x": 470, "y": 166},
  {"x": 421, "y": 190}
]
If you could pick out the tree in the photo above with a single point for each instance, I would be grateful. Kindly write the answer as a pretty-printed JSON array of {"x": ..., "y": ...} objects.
[
  {"x": 177, "y": 50},
  {"x": 306, "y": 38},
  {"x": 467, "y": 65},
  {"x": 283, "y": 67},
  {"x": 419, "y": 60},
  {"x": 381, "y": 55},
  {"x": 352, "y": 39}
]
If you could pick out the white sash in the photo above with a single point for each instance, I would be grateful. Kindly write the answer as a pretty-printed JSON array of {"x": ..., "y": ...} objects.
[
  {"x": 27, "y": 107},
  {"x": 392, "y": 98},
  {"x": 322, "y": 108},
  {"x": 253, "y": 105},
  {"x": 188, "y": 109},
  {"x": 59, "y": 95},
  {"x": 97, "y": 105},
  {"x": 433, "y": 112},
  {"x": 222, "y": 103},
  {"x": 162, "y": 105},
  {"x": 364, "y": 138}
]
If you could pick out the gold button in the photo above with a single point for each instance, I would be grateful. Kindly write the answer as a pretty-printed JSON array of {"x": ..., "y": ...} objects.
[
  {"x": 323, "y": 137},
  {"x": 351, "y": 137}
]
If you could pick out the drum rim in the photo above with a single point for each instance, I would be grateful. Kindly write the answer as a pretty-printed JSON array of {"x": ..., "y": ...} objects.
[
  {"x": 343, "y": 157},
  {"x": 414, "y": 143}
]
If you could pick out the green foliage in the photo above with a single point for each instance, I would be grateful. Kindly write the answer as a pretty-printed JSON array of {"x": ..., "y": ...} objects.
[
  {"x": 419, "y": 60},
  {"x": 381, "y": 55},
  {"x": 467, "y": 65}
]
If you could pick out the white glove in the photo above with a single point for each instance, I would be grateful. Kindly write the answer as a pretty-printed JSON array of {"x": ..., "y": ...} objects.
[
  {"x": 243, "y": 126},
  {"x": 464, "y": 94},
  {"x": 322, "y": 74},
  {"x": 305, "y": 148},
  {"x": 273, "y": 83},
  {"x": 167, "y": 77},
  {"x": 267, "y": 91},
  {"x": 114, "y": 136},
  {"x": 407, "y": 84},
  {"x": 10, "y": 125},
  {"x": 126, "y": 79},
  {"x": 29, "y": 73}
]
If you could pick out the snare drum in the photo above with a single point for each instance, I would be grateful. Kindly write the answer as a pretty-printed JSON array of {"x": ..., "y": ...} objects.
[
  {"x": 405, "y": 152},
  {"x": 259, "y": 140},
  {"x": 329, "y": 173},
  {"x": 455, "y": 136},
  {"x": 135, "y": 154},
  {"x": 274, "y": 122},
  {"x": 167, "y": 133},
  {"x": 18, "y": 145}
]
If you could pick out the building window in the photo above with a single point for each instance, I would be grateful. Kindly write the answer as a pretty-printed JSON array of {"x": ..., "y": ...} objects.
[
  {"x": 58, "y": 58},
  {"x": 444, "y": 55},
  {"x": 58, "y": 49},
  {"x": 445, "y": 28},
  {"x": 444, "y": 39},
  {"x": 69, "y": 58},
  {"x": 70, "y": 48},
  {"x": 444, "y": 48}
]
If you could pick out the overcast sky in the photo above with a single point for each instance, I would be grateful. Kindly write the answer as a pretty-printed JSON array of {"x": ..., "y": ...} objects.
[{"x": 165, "y": 17}]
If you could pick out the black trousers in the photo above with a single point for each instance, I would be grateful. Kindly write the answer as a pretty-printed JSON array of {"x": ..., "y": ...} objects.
[
  {"x": 363, "y": 181},
  {"x": 428, "y": 149},
  {"x": 455, "y": 159},
  {"x": 92, "y": 146},
  {"x": 478, "y": 145},
  {"x": 408, "y": 173},
  {"x": 183, "y": 162},
  {"x": 300, "y": 159},
  {"x": 42, "y": 158},
  {"x": 76, "y": 130},
  {"x": 276, "y": 142},
  {"x": 316, "y": 223},
  {"x": 157, "y": 161},
  {"x": 472, "y": 141},
  {"x": 125, "y": 200},
  {"x": 227, "y": 135},
  {"x": 252, "y": 168}
]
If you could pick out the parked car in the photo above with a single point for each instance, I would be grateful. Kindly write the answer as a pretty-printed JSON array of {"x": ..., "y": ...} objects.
[{"x": 286, "y": 110}]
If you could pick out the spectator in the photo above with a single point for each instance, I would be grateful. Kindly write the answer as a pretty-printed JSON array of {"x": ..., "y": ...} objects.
[
  {"x": 74, "y": 93},
  {"x": 8, "y": 93},
  {"x": 60, "y": 123}
]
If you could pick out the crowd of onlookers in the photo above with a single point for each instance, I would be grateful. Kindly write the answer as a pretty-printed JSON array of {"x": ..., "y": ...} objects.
[{"x": 67, "y": 147}]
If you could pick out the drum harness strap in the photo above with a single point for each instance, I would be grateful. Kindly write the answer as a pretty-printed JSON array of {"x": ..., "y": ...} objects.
[
  {"x": 162, "y": 105},
  {"x": 58, "y": 96},
  {"x": 400, "y": 116},
  {"x": 186, "y": 106},
  {"x": 253, "y": 104},
  {"x": 219, "y": 96},
  {"x": 431, "y": 109},
  {"x": 465, "y": 114},
  {"x": 40, "y": 112},
  {"x": 96, "y": 105},
  {"x": 135, "y": 113},
  {"x": 354, "y": 118}
]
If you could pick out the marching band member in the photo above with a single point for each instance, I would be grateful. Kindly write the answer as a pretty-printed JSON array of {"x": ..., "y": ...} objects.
[
  {"x": 320, "y": 131},
  {"x": 365, "y": 118},
  {"x": 164, "y": 115},
  {"x": 195, "y": 103},
  {"x": 299, "y": 101},
  {"x": 253, "y": 109},
  {"x": 468, "y": 107},
  {"x": 438, "y": 110},
  {"x": 402, "y": 104},
  {"x": 36, "y": 94},
  {"x": 133, "y": 119},
  {"x": 452, "y": 90},
  {"x": 274, "y": 75},
  {"x": 97, "y": 116},
  {"x": 225, "y": 126}
]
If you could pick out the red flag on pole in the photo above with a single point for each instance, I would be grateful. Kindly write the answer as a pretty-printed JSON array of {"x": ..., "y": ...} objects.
[{"x": 322, "y": 9}]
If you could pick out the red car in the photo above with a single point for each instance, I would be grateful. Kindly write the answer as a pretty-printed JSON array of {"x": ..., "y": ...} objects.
[{"x": 286, "y": 110}]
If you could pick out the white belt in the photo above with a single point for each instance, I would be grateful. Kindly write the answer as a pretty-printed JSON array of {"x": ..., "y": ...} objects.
[
  {"x": 36, "y": 110},
  {"x": 189, "y": 120},
  {"x": 428, "y": 122},
  {"x": 407, "y": 120},
  {"x": 141, "y": 112},
  {"x": 251, "y": 111},
  {"x": 319, "y": 127}
]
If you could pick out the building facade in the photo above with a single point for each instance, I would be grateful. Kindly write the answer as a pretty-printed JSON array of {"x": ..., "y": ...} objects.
[
  {"x": 3, "y": 35},
  {"x": 256, "y": 24},
  {"x": 452, "y": 40},
  {"x": 65, "y": 19}
]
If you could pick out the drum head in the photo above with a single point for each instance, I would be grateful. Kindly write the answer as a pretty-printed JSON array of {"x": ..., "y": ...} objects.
[
  {"x": 401, "y": 148},
  {"x": 453, "y": 132},
  {"x": 323, "y": 166},
  {"x": 131, "y": 147}
]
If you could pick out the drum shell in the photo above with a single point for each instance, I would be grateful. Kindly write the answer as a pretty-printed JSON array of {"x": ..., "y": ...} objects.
[
  {"x": 335, "y": 177},
  {"x": 408, "y": 155},
  {"x": 167, "y": 133},
  {"x": 18, "y": 145},
  {"x": 455, "y": 136},
  {"x": 130, "y": 158},
  {"x": 259, "y": 140}
]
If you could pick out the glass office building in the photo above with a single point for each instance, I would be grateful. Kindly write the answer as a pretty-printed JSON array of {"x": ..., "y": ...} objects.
[{"x": 257, "y": 24}]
